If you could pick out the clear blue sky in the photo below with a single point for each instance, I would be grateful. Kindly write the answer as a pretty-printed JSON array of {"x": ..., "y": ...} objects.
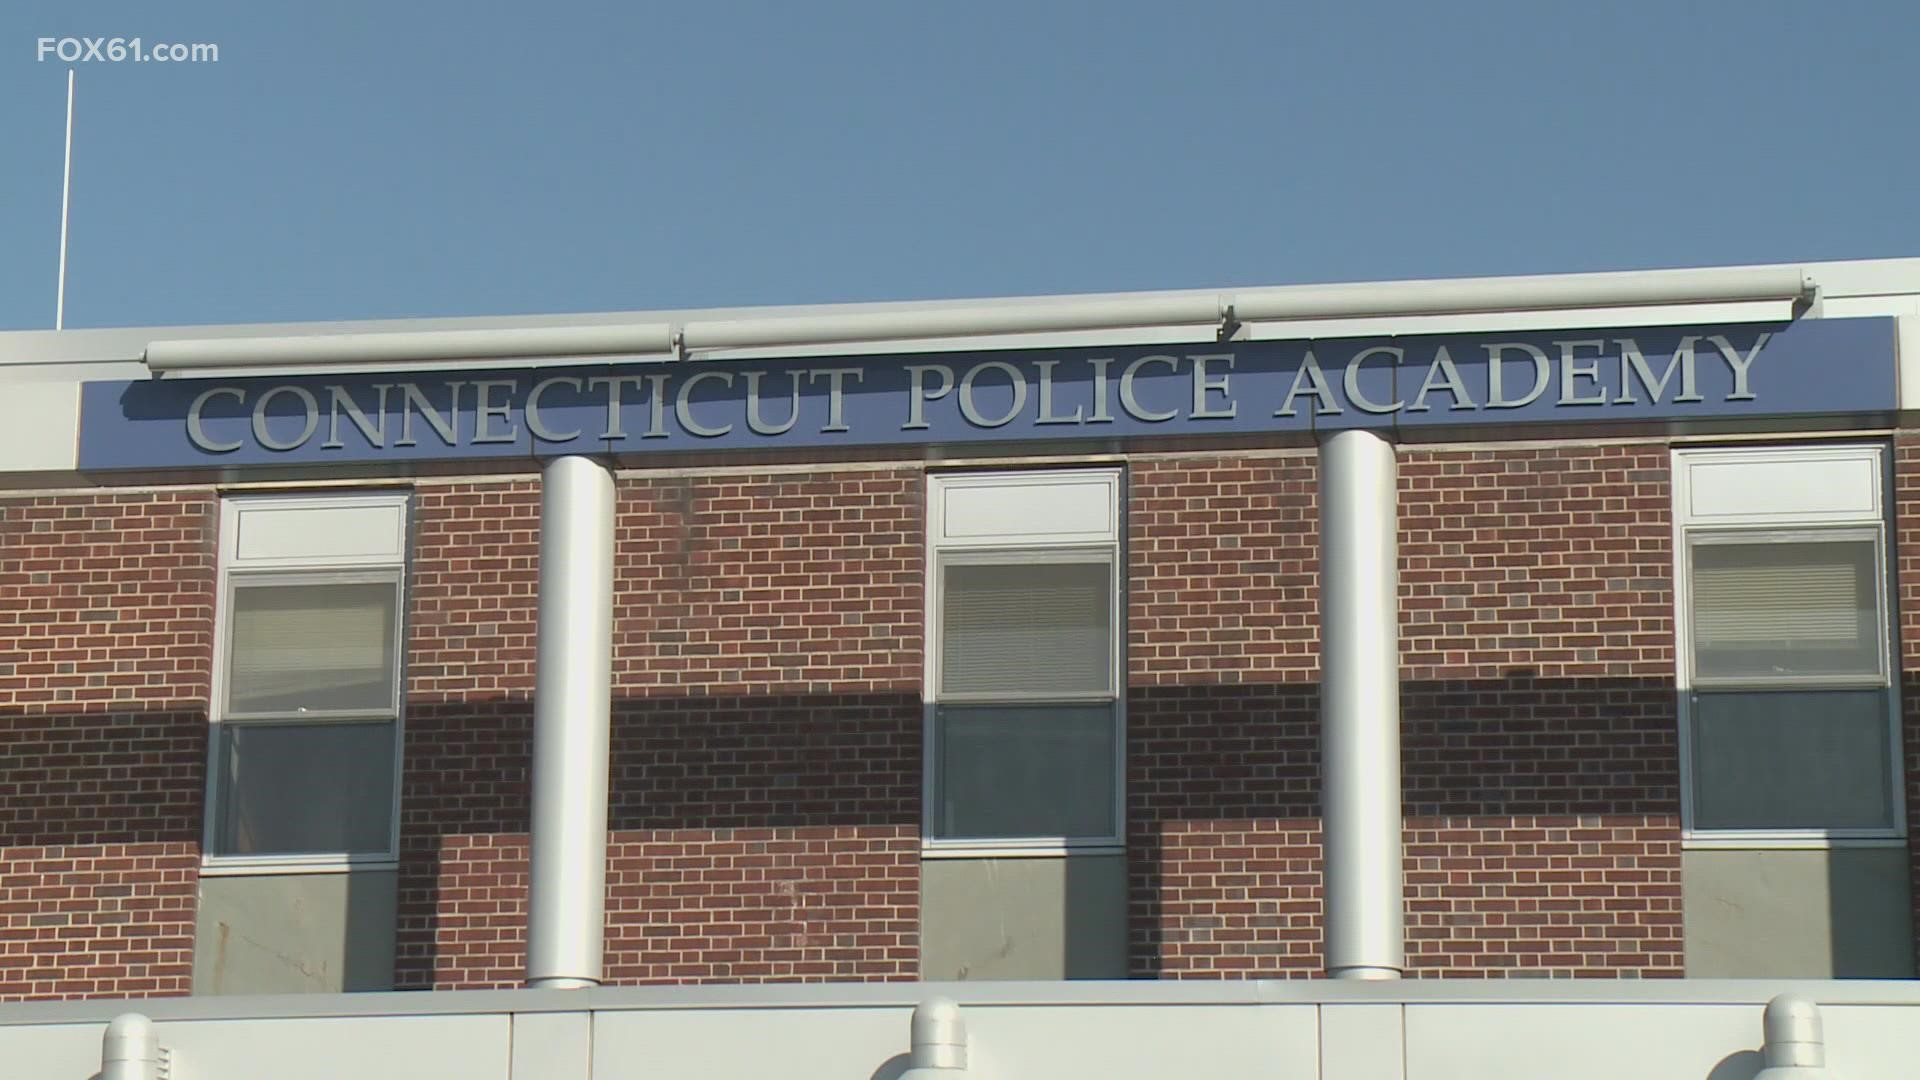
[{"x": 352, "y": 159}]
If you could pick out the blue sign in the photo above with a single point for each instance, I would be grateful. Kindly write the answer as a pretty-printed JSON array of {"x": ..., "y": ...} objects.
[{"x": 1813, "y": 367}]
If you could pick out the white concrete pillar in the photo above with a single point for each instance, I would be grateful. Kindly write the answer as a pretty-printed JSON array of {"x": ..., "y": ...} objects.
[
  {"x": 1365, "y": 924},
  {"x": 572, "y": 708}
]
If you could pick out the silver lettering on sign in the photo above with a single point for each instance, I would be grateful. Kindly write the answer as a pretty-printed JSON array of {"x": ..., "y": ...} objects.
[
  {"x": 918, "y": 395},
  {"x": 612, "y": 383},
  {"x": 486, "y": 411},
  {"x": 1314, "y": 381},
  {"x": 971, "y": 411},
  {"x": 1354, "y": 395},
  {"x": 1740, "y": 364},
  {"x": 755, "y": 422},
  {"x": 1046, "y": 396},
  {"x": 1100, "y": 414},
  {"x": 447, "y": 426},
  {"x": 337, "y": 396},
  {"x": 836, "y": 394},
  {"x": 1632, "y": 364},
  {"x": 1542, "y": 372},
  {"x": 1131, "y": 403},
  {"x": 656, "y": 407},
  {"x": 1448, "y": 379},
  {"x": 1204, "y": 384},
  {"x": 537, "y": 424},
  {"x": 196, "y": 430},
  {"x": 1574, "y": 367},
  {"x": 311, "y": 415},
  {"x": 683, "y": 404}
]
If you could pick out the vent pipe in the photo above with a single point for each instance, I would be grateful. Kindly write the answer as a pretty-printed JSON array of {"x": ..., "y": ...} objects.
[
  {"x": 938, "y": 1041},
  {"x": 131, "y": 1051},
  {"x": 1795, "y": 1047}
]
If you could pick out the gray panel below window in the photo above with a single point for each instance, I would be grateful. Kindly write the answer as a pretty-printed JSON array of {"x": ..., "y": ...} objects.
[
  {"x": 1034, "y": 918},
  {"x": 1843, "y": 913},
  {"x": 295, "y": 933}
]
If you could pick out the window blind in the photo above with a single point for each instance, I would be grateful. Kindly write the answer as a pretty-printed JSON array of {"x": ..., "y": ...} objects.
[
  {"x": 312, "y": 647},
  {"x": 1029, "y": 629},
  {"x": 1780, "y": 608}
]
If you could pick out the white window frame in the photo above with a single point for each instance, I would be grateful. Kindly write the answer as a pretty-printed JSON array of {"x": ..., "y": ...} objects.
[
  {"x": 383, "y": 559},
  {"x": 1007, "y": 543},
  {"x": 1772, "y": 517}
]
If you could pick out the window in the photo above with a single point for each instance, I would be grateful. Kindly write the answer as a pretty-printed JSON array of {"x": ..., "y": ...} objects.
[
  {"x": 1789, "y": 704},
  {"x": 306, "y": 708},
  {"x": 1024, "y": 735}
]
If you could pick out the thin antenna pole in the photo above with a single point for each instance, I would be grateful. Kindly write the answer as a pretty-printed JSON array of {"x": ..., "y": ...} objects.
[{"x": 66, "y": 198}]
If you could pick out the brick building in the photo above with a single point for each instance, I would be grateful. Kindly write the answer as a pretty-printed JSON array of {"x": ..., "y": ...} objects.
[{"x": 971, "y": 641}]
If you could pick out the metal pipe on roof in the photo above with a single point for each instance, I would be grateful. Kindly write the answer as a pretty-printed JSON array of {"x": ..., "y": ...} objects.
[
  {"x": 1541, "y": 293},
  {"x": 1796, "y": 1045},
  {"x": 130, "y": 1051},
  {"x": 993, "y": 318},
  {"x": 1007, "y": 317},
  {"x": 938, "y": 1041},
  {"x": 402, "y": 347}
]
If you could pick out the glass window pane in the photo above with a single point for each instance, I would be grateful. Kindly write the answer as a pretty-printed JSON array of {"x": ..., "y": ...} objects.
[
  {"x": 1024, "y": 771},
  {"x": 1785, "y": 609},
  {"x": 293, "y": 788},
  {"x": 1042, "y": 628},
  {"x": 312, "y": 647},
  {"x": 1791, "y": 760}
]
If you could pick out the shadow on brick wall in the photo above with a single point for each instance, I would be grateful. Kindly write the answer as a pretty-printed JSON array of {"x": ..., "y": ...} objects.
[
  {"x": 1217, "y": 775},
  {"x": 778, "y": 762},
  {"x": 99, "y": 843},
  {"x": 1224, "y": 810},
  {"x": 101, "y": 777}
]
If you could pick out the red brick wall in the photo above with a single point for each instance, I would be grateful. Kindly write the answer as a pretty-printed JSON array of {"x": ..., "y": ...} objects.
[
  {"x": 1540, "y": 745},
  {"x": 463, "y": 795},
  {"x": 105, "y": 650},
  {"x": 1540, "y": 762},
  {"x": 1906, "y": 508},
  {"x": 1222, "y": 732},
  {"x": 767, "y": 732},
  {"x": 766, "y": 742}
]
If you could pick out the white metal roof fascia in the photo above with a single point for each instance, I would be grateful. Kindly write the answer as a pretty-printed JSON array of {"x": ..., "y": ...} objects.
[{"x": 1836, "y": 992}]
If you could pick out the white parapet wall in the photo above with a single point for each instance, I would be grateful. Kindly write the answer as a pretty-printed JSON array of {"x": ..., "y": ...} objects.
[{"x": 1414, "y": 1030}]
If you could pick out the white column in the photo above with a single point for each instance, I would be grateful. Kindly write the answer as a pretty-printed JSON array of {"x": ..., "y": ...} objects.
[
  {"x": 572, "y": 706},
  {"x": 1360, "y": 707}
]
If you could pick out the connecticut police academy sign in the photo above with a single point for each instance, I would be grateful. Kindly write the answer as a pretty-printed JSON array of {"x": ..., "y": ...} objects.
[{"x": 1812, "y": 367}]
